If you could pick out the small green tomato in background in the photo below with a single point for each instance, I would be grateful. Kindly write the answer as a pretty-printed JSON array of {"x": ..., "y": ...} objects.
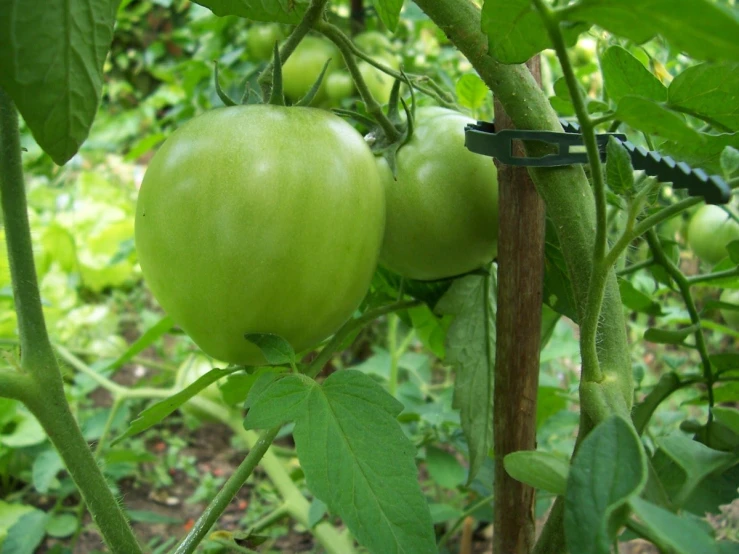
[
  {"x": 731, "y": 317},
  {"x": 304, "y": 66},
  {"x": 442, "y": 212},
  {"x": 339, "y": 85},
  {"x": 261, "y": 39},
  {"x": 260, "y": 219},
  {"x": 710, "y": 231}
]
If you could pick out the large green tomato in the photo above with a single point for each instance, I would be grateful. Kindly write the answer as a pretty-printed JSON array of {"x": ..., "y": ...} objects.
[
  {"x": 442, "y": 212},
  {"x": 260, "y": 219},
  {"x": 731, "y": 296},
  {"x": 709, "y": 233},
  {"x": 261, "y": 39},
  {"x": 302, "y": 68}
]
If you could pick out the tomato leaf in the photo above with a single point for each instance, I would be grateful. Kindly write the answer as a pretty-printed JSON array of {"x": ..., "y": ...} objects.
[
  {"x": 26, "y": 534},
  {"x": 279, "y": 11},
  {"x": 276, "y": 350},
  {"x": 158, "y": 411},
  {"x": 370, "y": 477},
  {"x": 516, "y": 32},
  {"x": 701, "y": 28},
  {"x": 678, "y": 534},
  {"x": 613, "y": 457},
  {"x": 619, "y": 171},
  {"x": 729, "y": 161},
  {"x": 705, "y": 153},
  {"x": 624, "y": 75},
  {"x": 470, "y": 348},
  {"x": 471, "y": 91},
  {"x": 542, "y": 470},
  {"x": 708, "y": 91},
  {"x": 654, "y": 119},
  {"x": 389, "y": 12},
  {"x": 51, "y": 64},
  {"x": 697, "y": 460}
]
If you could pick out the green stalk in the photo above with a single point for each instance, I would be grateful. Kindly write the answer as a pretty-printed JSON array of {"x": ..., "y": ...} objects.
[
  {"x": 568, "y": 196},
  {"x": 312, "y": 15},
  {"x": 345, "y": 45},
  {"x": 684, "y": 286},
  {"x": 224, "y": 497},
  {"x": 44, "y": 394},
  {"x": 349, "y": 327}
]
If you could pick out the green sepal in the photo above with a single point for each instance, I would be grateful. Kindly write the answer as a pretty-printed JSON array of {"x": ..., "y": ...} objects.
[
  {"x": 276, "y": 97},
  {"x": 311, "y": 94},
  {"x": 225, "y": 98}
]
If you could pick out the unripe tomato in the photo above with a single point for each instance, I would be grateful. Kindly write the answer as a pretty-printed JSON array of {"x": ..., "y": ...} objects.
[
  {"x": 709, "y": 233},
  {"x": 261, "y": 39},
  {"x": 731, "y": 296},
  {"x": 304, "y": 66},
  {"x": 339, "y": 85},
  {"x": 442, "y": 212},
  {"x": 192, "y": 369},
  {"x": 260, "y": 219}
]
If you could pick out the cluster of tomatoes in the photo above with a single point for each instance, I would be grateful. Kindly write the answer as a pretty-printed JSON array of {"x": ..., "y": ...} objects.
[{"x": 272, "y": 219}]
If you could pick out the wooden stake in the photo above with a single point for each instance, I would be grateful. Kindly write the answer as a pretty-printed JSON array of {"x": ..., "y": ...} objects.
[{"x": 520, "y": 286}]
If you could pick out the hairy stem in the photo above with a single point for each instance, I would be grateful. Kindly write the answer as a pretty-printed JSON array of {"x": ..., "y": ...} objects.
[
  {"x": 44, "y": 393},
  {"x": 684, "y": 285}
]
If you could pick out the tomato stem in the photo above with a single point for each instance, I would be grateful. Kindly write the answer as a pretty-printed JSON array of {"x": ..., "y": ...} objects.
[
  {"x": 43, "y": 388},
  {"x": 312, "y": 15},
  {"x": 345, "y": 45},
  {"x": 227, "y": 493},
  {"x": 350, "y": 326}
]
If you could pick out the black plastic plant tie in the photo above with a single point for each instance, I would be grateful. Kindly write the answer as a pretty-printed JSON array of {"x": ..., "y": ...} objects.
[{"x": 481, "y": 138}]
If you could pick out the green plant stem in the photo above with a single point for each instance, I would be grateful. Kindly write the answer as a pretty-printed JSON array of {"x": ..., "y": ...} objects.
[
  {"x": 708, "y": 277},
  {"x": 342, "y": 334},
  {"x": 684, "y": 286},
  {"x": 36, "y": 353},
  {"x": 272, "y": 517},
  {"x": 635, "y": 267},
  {"x": 224, "y": 497},
  {"x": 346, "y": 47},
  {"x": 589, "y": 323},
  {"x": 296, "y": 504},
  {"x": 312, "y": 15},
  {"x": 44, "y": 394}
]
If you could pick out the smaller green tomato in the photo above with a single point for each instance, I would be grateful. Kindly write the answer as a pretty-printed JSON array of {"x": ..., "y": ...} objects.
[
  {"x": 339, "y": 85},
  {"x": 442, "y": 211},
  {"x": 261, "y": 39},
  {"x": 710, "y": 232},
  {"x": 302, "y": 68},
  {"x": 731, "y": 317}
]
